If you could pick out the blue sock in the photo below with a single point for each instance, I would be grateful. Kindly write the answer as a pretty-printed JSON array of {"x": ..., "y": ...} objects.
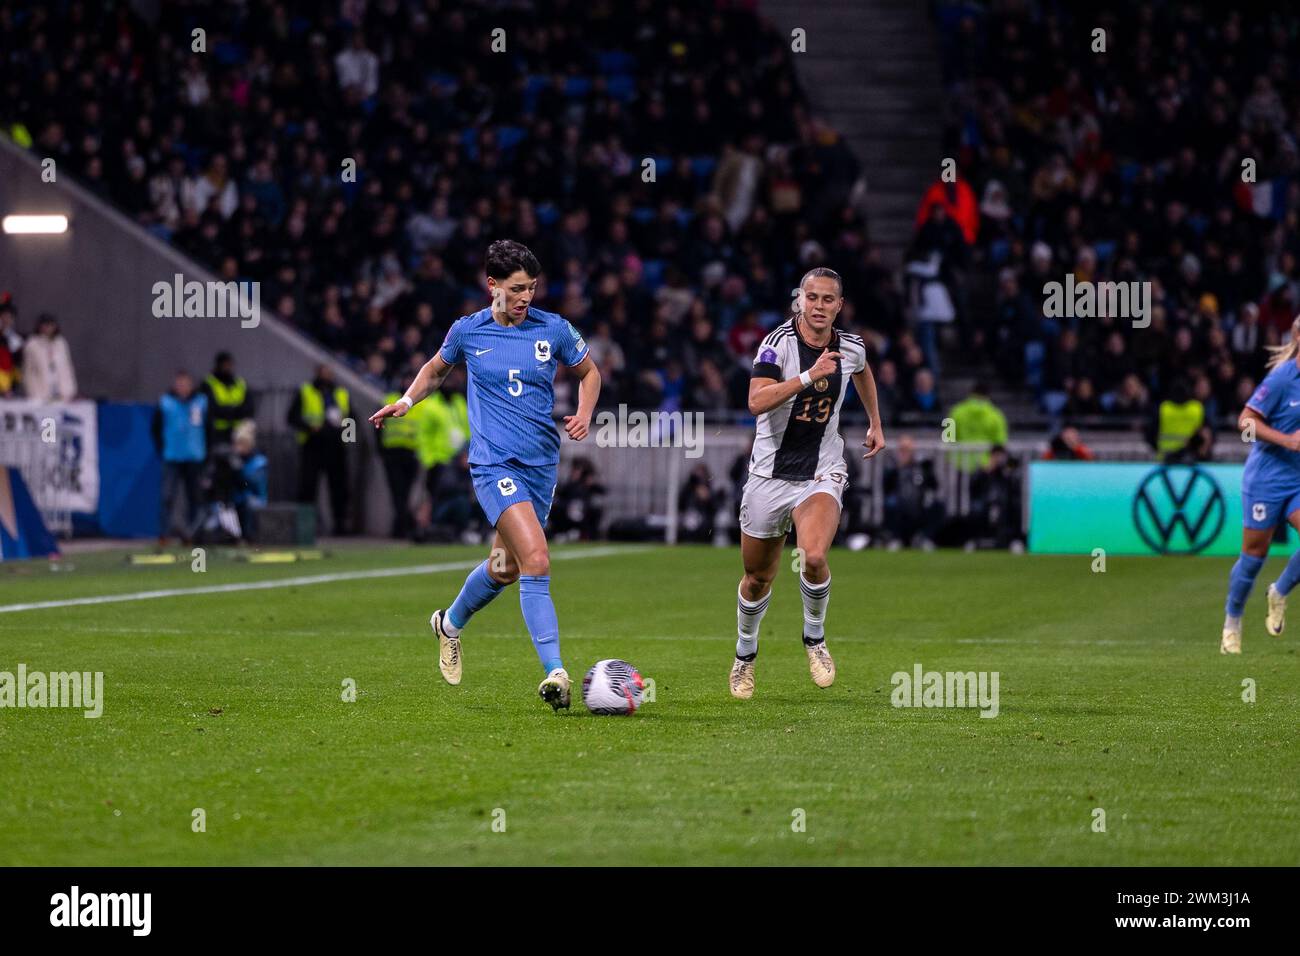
[
  {"x": 1290, "y": 575},
  {"x": 477, "y": 593},
  {"x": 1241, "y": 581},
  {"x": 539, "y": 615}
]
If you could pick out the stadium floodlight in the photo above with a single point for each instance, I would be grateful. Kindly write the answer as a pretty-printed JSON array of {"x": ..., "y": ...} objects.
[{"x": 35, "y": 225}]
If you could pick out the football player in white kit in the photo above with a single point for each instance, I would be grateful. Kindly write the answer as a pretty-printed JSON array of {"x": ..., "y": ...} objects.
[{"x": 797, "y": 471}]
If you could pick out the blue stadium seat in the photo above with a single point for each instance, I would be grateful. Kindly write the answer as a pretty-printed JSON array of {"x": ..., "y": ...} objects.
[
  {"x": 229, "y": 53},
  {"x": 621, "y": 87},
  {"x": 577, "y": 87},
  {"x": 610, "y": 62},
  {"x": 508, "y": 137},
  {"x": 547, "y": 214},
  {"x": 703, "y": 166},
  {"x": 1035, "y": 353},
  {"x": 653, "y": 273},
  {"x": 469, "y": 139},
  {"x": 533, "y": 87},
  {"x": 445, "y": 83},
  {"x": 1054, "y": 402}
]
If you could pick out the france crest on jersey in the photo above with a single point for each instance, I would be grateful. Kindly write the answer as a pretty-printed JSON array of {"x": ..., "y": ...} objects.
[
  {"x": 511, "y": 391},
  {"x": 1270, "y": 484}
]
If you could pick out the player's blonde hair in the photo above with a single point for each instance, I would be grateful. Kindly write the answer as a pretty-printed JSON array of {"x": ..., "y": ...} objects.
[{"x": 1281, "y": 354}]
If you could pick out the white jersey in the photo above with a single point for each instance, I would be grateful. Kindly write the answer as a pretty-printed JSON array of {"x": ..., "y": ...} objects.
[{"x": 800, "y": 440}]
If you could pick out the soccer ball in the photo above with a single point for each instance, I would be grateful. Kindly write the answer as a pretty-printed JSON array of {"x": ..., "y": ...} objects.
[{"x": 612, "y": 687}]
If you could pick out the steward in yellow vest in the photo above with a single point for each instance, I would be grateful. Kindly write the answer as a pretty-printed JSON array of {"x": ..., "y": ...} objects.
[
  {"x": 444, "y": 429},
  {"x": 227, "y": 397},
  {"x": 317, "y": 414},
  {"x": 1178, "y": 423},
  {"x": 320, "y": 408},
  {"x": 401, "y": 432},
  {"x": 1177, "y": 419},
  {"x": 398, "y": 440}
]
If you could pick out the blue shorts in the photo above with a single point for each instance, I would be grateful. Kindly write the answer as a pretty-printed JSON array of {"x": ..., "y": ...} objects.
[
  {"x": 497, "y": 487},
  {"x": 1268, "y": 508}
]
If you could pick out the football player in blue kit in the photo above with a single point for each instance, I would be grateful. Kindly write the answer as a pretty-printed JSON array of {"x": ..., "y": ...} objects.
[
  {"x": 1270, "y": 489},
  {"x": 511, "y": 351}
]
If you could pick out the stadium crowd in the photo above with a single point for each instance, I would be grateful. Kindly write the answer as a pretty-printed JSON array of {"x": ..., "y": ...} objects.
[
  {"x": 659, "y": 158},
  {"x": 665, "y": 167},
  {"x": 1168, "y": 157}
]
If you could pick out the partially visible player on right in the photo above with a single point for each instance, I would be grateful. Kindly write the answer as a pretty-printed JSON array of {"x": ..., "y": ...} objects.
[{"x": 1270, "y": 489}]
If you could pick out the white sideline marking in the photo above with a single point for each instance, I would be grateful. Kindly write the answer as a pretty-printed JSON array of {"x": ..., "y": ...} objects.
[{"x": 290, "y": 582}]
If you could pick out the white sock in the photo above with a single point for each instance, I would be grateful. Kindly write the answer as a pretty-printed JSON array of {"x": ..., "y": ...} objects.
[
  {"x": 815, "y": 599},
  {"x": 748, "y": 616},
  {"x": 1231, "y": 623}
]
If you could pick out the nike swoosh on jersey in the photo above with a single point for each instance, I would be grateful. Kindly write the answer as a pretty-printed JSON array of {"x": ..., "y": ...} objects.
[
  {"x": 1293, "y": 404},
  {"x": 482, "y": 351}
]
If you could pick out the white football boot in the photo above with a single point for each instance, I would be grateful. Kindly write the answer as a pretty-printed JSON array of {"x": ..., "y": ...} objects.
[
  {"x": 448, "y": 649},
  {"x": 742, "y": 679},
  {"x": 555, "y": 689},
  {"x": 1276, "y": 620},
  {"x": 1231, "y": 642},
  {"x": 820, "y": 664}
]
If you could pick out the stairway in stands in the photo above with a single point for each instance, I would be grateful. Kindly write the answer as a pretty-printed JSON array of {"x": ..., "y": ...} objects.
[{"x": 872, "y": 71}]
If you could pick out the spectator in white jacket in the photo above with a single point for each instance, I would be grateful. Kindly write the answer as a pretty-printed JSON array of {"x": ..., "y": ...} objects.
[
  {"x": 358, "y": 68},
  {"x": 48, "y": 375}
]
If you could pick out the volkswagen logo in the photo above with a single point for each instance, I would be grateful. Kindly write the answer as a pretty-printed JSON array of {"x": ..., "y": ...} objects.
[{"x": 1178, "y": 509}]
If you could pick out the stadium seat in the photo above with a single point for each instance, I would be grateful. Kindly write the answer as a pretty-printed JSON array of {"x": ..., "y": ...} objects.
[
  {"x": 652, "y": 272},
  {"x": 1035, "y": 353},
  {"x": 229, "y": 54},
  {"x": 533, "y": 87},
  {"x": 703, "y": 166},
  {"x": 621, "y": 87},
  {"x": 1054, "y": 402},
  {"x": 445, "y": 84},
  {"x": 576, "y": 87},
  {"x": 508, "y": 137},
  {"x": 610, "y": 62}
]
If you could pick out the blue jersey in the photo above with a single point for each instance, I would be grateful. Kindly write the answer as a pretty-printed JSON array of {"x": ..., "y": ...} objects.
[
  {"x": 511, "y": 393},
  {"x": 1271, "y": 467}
]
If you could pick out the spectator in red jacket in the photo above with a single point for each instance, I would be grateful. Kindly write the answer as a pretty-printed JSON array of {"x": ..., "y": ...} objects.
[
  {"x": 1068, "y": 446},
  {"x": 959, "y": 201}
]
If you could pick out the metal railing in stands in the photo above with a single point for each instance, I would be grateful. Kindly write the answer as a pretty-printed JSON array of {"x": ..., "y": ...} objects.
[{"x": 645, "y": 482}]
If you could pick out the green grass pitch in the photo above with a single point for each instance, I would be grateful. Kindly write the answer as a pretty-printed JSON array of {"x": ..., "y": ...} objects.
[{"x": 1113, "y": 695}]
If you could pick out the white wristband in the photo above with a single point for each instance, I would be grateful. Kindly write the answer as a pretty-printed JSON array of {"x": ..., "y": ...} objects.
[
  {"x": 805, "y": 378},
  {"x": 405, "y": 400}
]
